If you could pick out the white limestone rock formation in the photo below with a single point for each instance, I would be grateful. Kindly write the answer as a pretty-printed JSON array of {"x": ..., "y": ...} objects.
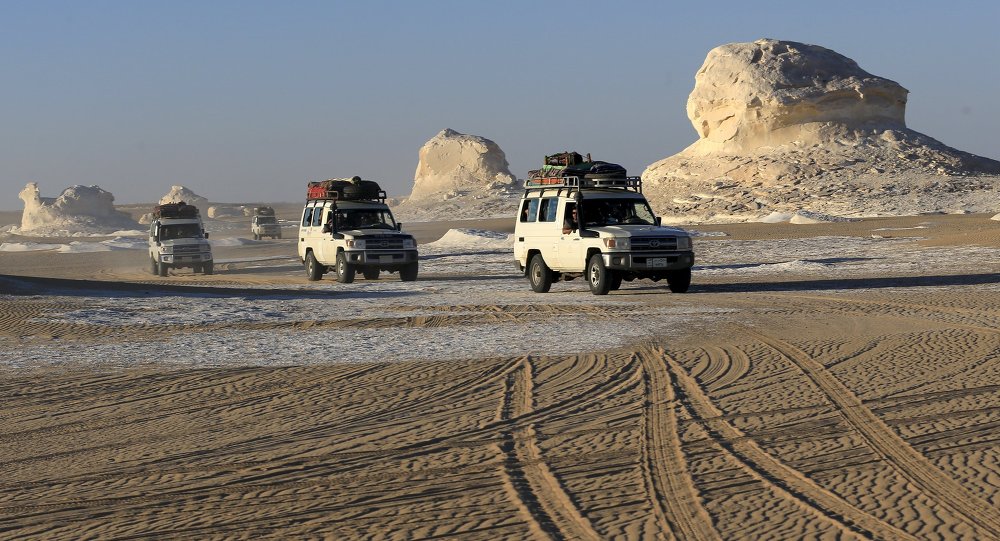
[
  {"x": 460, "y": 176},
  {"x": 784, "y": 126},
  {"x": 79, "y": 210},
  {"x": 224, "y": 211},
  {"x": 182, "y": 193}
]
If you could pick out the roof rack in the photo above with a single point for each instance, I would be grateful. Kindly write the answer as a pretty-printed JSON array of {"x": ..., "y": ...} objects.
[
  {"x": 623, "y": 183},
  {"x": 345, "y": 189}
]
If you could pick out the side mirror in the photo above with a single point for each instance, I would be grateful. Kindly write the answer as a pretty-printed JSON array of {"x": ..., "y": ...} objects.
[
  {"x": 399, "y": 226},
  {"x": 658, "y": 220},
  {"x": 206, "y": 234}
]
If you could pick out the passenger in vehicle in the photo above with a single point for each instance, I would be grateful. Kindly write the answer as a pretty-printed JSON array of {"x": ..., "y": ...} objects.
[{"x": 570, "y": 220}]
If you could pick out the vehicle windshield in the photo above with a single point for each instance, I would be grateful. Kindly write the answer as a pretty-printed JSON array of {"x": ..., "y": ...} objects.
[
  {"x": 598, "y": 212},
  {"x": 267, "y": 220},
  {"x": 364, "y": 219},
  {"x": 180, "y": 231}
]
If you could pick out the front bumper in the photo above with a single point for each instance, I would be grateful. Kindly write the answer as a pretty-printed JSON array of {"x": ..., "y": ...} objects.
[
  {"x": 381, "y": 258},
  {"x": 648, "y": 261},
  {"x": 185, "y": 259}
]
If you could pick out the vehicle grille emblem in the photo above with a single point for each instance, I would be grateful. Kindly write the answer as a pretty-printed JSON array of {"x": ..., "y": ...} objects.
[{"x": 654, "y": 243}]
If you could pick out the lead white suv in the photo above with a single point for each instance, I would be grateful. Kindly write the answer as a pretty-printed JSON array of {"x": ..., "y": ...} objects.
[{"x": 614, "y": 236}]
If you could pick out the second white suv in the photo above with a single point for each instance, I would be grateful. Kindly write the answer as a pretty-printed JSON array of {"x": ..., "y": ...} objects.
[{"x": 613, "y": 236}]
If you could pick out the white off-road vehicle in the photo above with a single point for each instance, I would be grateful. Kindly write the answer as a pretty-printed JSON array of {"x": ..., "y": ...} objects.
[
  {"x": 347, "y": 227},
  {"x": 602, "y": 229},
  {"x": 177, "y": 239},
  {"x": 263, "y": 223}
]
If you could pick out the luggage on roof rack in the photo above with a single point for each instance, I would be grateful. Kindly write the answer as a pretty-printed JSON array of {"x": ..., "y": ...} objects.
[
  {"x": 345, "y": 188},
  {"x": 175, "y": 210},
  {"x": 263, "y": 211},
  {"x": 626, "y": 183},
  {"x": 572, "y": 164}
]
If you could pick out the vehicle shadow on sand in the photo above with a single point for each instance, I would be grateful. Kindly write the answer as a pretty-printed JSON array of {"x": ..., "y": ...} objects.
[
  {"x": 30, "y": 285},
  {"x": 832, "y": 284}
]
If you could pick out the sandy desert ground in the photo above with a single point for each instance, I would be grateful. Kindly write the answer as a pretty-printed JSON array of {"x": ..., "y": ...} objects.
[{"x": 826, "y": 381}]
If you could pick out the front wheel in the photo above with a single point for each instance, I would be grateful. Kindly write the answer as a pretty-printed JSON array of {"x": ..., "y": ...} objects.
[
  {"x": 256, "y": 236},
  {"x": 679, "y": 280},
  {"x": 409, "y": 272},
  {"x": 539, "y": 274},
  {"x": 616, "y": 281},
  {"x": 154, "y": 267},
  {"x": 313, "y": 271},
  {"x": 162, "y": 269},
  {"x": 207, "y": 268},
  {"x": 598, "y": 275},
  {"x": 345, "y": 271}
]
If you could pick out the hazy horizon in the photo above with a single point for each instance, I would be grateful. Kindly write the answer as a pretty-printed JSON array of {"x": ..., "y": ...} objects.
[{"x": 247, "y": 102}]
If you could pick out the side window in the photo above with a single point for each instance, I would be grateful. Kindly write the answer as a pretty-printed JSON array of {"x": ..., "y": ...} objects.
[
  {"x": 318, "y": 216},
  {"x": 547, "y": 209},
  {"x": 307, "y": 216},
  {"x": 529, "y": 211}
]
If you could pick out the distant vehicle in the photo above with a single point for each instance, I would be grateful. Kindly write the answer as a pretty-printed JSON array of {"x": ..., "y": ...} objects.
[
  {"x": 264, "y": 224},
  {"x": 614, "y": 237},
  {"x": 177, "y": 239},
  {"x": 347, "y": 227}
]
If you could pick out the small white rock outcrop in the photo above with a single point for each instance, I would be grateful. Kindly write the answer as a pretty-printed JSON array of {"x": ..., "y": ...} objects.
[
  {"x": 79, "y": 210},
  {"x": 182, "y": 193}
]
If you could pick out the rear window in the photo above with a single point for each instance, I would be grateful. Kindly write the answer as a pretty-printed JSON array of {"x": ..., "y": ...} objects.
[
  {"x": 547, "y": 209},
  {"x": 318, "y": 216},
  {"x": 307, "y": 217}
]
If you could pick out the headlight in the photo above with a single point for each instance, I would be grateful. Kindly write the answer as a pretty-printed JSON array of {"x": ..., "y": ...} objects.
[
  {"x": 683, "y": 243},
  {"x": 356, "y": 244},
  {"x": 409, "y": 244},
  {"x": 616, "y": 243},
  {"x": 206, "y": 247},
  {"x": 166, "y": 249}
]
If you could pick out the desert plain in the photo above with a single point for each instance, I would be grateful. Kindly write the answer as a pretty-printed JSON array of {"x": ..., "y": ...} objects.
[{"x": 819, "y": 381}]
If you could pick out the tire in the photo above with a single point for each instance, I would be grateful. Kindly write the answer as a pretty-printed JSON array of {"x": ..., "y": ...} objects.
[
  {"x": 370, "y": 274},
  {"x": 196, "y": 269},
  {"x": 208, "y": 268},
  {"x": 409, "y": 272},
  {"x": 345, "y": 270},
  {"x": 598, "y": 276},
  {"x": 679, "y": 281},
  {"x": 313, "y": 270},
  {"x": 256, "y": 236},
  {"x": 539, "y": 274},
  {"x": 161, "y": 269},
  {"x": 616, "y": 280},
  {"x": 154, "y": 268}
]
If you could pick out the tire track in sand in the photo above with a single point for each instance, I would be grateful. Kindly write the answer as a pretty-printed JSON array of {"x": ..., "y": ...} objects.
[
  {"x": 535, "y": 490},
  {"x": 676, "y": 502},
  {"x": 781, "y": 479},
  {"x": 890, "y": 446}
]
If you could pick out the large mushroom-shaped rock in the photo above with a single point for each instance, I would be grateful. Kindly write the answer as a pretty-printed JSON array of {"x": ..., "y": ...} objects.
[
  {"x": 784, "y": 126},
  {"x": 182, "y": 193},
  {"x": 769, "y": 92},
  {"x": 460, "y": 176},
  {"x": 78, "y": 210}
]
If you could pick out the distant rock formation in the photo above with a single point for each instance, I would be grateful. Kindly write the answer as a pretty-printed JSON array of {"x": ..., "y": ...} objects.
[
  {"x": 785, "y": 125},
  {"x": 79, "y": 210},
  {"x": 181, "y": 193},
  {"x": 460, "y": 175},
  {"x": 224, "y": 211}
]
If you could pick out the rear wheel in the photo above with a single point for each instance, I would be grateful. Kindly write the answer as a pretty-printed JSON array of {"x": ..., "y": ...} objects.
[
  {"x": 313, "y": 270},
  {"x": 679, "y": 280},
  {"x": 345, "y": 271},
  {"x": 370, "y": 274},
  {"x": 409, "y": 272},
  {"x": 598, "y": 275},
  {"x": 539, "y": 274}
]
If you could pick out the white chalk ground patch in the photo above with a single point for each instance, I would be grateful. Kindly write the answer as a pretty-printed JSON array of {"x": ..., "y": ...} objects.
[
  {"x": 77, "y": 247},
  {"x": 469, "y": 274}
]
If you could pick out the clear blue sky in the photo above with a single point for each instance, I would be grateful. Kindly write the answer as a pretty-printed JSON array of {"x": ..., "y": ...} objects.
[{"x": 247, "y": 101}]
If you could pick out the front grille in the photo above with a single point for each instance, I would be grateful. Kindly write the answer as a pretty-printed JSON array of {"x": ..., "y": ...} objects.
[
  {"x": 384, "y": 244},
  {"x": 187, "y": 249},
  {"x": 654, "y": 244}
]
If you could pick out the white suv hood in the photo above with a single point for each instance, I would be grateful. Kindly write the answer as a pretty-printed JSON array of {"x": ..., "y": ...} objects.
[{"x": 638, "y": 231}]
